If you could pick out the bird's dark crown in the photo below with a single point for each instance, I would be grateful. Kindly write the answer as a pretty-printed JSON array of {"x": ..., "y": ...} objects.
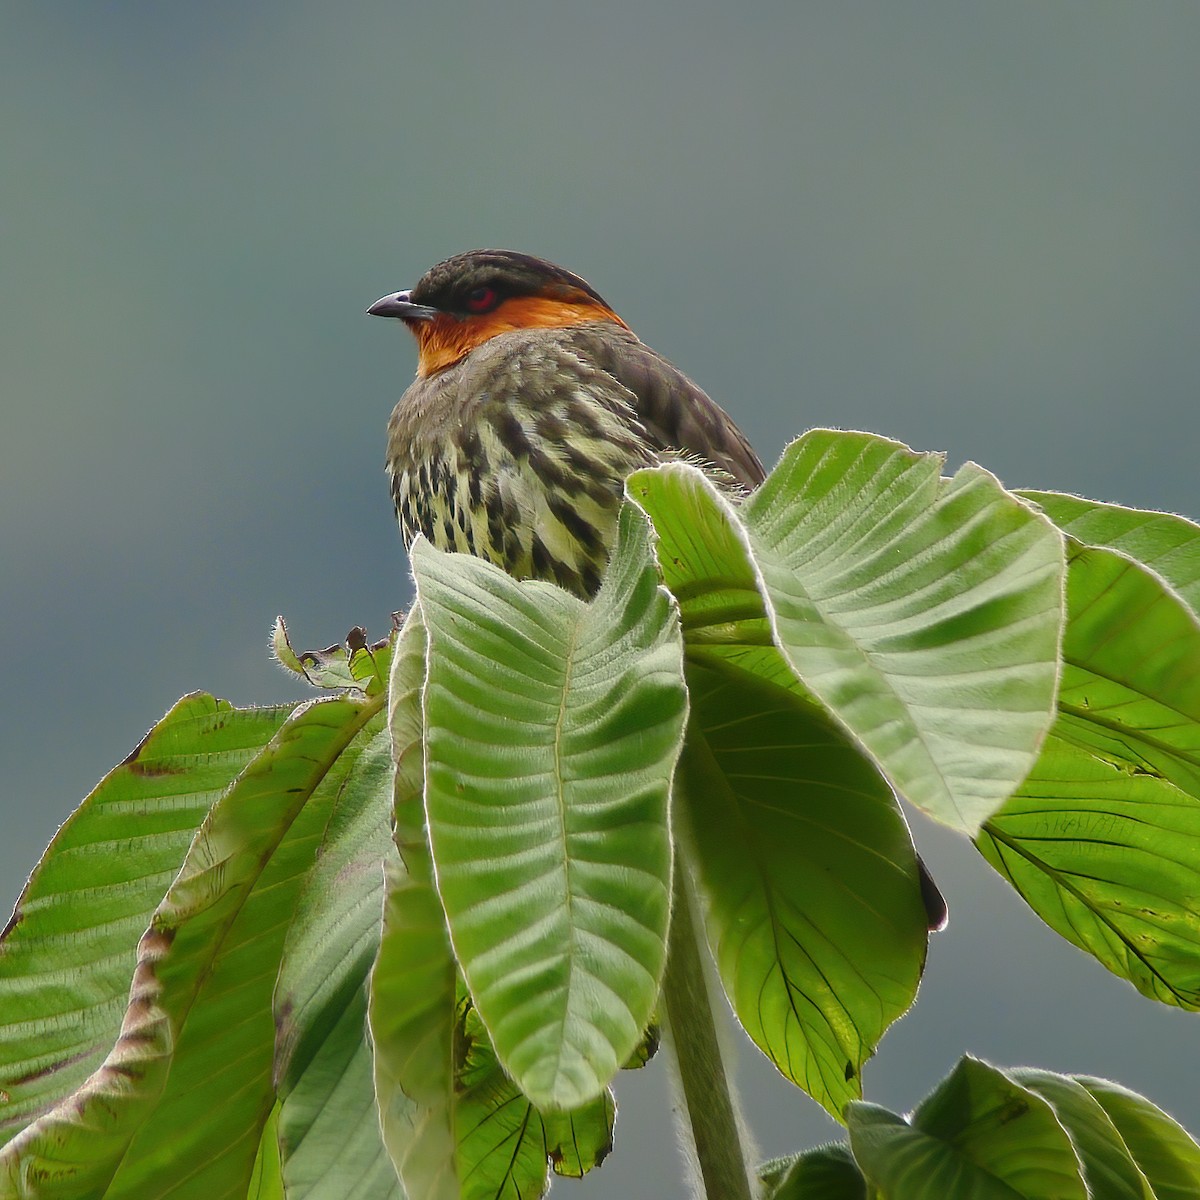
[{"x": 447, "y": 285}]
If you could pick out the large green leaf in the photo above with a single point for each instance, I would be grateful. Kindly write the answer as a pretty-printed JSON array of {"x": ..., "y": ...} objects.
[
  {"x": 199, "y": 1007},
  {"x": 328, "y": 1130},
  {"x": 1168, "y": 544},
  {"x": 1105, "y": 1163},
  {"x": 71, "y": 947},
  {"x": 553, "y": 727},
  {"x": 924, "y": 612},
  {"x": 808, "y": 879},
  {"x": 978, "y": 1136},
  {"x": 707, "y": 562},
  {"x": 412, "y": 1030},
  {"x": 988, "y": 1134},
  {"x": 1131, "y": 678},
  {"x": 334, "y": 933},
  {"x": 456, "y": 1127},
  {"x": 230, "y": 1023},
  {"x": 413, "y": 981},
  {"x": 1103, "y": 838},
  {"x": 1164, "y": 1152}
]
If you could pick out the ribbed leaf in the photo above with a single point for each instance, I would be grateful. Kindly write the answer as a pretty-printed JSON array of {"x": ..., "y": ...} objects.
[
  {"x": 226, "y": 1047},
  {"x": 706, "y": 560},
  {"x": 1168, "y": 544},
  {"x": 200, "y": 1002},
  {"x": 808, "y": 877},
  {"x": 925, "y": 613},
  {"x": 412, "y": 1030},
  {"x": 327, "y": 1124},
  {"x": 413, "y": 981},
  {"x": 988, "y": 1134},
  {"x": 484, "y": 1139},
  {"x": 455, "y": 1125},
  {"x": 553, "y": 727},
  {"x": 1167, "y": 1157},
  {"x": 327, "y": 1131},
  {"x": 1106, "y": 1165},
  {"x": 1103, "y": 839},
  {"x": 1131, "y": 679},
  {"x": 979, "y": 1136},
  {"x": 70, "y": 949}
]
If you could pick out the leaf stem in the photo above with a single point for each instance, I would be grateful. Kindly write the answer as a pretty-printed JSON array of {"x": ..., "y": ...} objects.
[{"x": 705, "y": 1091}]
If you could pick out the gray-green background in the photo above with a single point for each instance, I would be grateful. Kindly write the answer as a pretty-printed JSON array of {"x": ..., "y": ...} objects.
[{"x": 974, "y": 227}]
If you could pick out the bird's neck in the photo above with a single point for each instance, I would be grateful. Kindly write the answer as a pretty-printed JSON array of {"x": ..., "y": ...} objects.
[{"x": 447, "y": 339}]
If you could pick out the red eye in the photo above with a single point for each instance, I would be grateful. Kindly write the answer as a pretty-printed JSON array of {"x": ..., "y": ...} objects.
[{"x": 481, "y": 300}]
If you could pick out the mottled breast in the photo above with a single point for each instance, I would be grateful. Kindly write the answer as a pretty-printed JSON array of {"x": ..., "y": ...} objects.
[{"x": 518, "y": 454}]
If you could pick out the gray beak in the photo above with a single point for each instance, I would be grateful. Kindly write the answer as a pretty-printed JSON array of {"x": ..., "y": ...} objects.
[{"x": 399, "y": 304}]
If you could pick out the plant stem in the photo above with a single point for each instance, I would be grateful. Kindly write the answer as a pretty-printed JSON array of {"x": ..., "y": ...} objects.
[{"x": 706, "y": 1092}]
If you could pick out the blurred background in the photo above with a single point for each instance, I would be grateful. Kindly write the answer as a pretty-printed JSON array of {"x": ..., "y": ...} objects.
[{"x": 972, "y": 227}]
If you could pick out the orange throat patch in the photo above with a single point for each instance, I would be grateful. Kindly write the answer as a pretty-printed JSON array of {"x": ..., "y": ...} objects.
[{"x": 447, "y": 339}]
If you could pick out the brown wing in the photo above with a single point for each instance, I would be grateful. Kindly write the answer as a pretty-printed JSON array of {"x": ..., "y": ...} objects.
[{"x": 676, "y": 414}]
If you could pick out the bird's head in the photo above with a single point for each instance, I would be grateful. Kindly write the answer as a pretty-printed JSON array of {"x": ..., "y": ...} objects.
[{"x": 464, "y": 301}]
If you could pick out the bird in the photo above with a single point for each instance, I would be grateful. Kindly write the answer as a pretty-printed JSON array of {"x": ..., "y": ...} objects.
[{"x": 533, "y": 402}]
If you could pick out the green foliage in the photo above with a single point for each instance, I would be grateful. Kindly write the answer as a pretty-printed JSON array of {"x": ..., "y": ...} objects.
[
  {"x": 988, "y": 1134},
  {"x": 815, "y": 921},
  {"x": 1101, "y": 838},
  {"x": 924, "y": 612},
  {"x": 97, "y": 887},
  {"x": 190, "y": 1076},
  {"x": 554, "y": 727},
  {"x": 324, "y": 949}
]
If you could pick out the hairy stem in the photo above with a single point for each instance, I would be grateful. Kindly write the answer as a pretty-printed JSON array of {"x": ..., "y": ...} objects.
[{"x": 706, "y": 1091}]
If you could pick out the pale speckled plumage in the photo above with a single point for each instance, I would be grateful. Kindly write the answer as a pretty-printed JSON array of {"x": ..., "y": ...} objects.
[{"x": 525, "y": 446}]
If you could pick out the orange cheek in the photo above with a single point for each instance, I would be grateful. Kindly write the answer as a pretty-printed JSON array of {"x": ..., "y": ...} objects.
[{"x": 445, "y": 340}]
